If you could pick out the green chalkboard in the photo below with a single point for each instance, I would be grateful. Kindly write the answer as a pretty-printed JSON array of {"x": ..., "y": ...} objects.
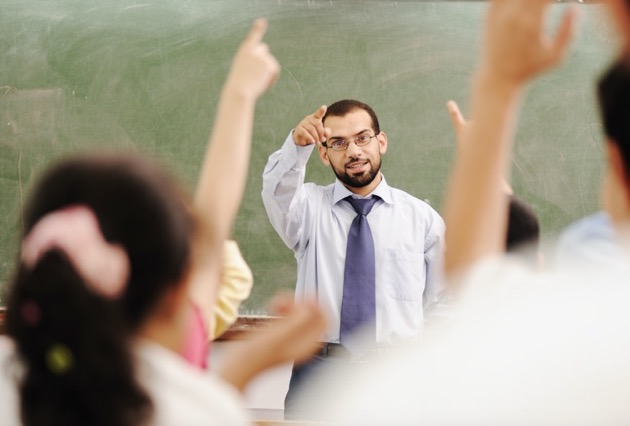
[{"x": 146, "y": 75}]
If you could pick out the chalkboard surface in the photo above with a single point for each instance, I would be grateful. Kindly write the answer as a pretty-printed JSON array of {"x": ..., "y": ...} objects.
[{"x": 146, "y": 75}]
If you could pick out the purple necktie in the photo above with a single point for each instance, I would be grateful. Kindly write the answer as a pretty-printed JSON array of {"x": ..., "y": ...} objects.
[{"x": 358, "y": 305}]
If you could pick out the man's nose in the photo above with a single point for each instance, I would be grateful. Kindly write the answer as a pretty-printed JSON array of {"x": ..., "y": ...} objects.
[{"x": 353, "y": 149}]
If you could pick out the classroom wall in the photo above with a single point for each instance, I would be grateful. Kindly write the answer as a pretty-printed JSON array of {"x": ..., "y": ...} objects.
[{"x": 123, "y": 74}]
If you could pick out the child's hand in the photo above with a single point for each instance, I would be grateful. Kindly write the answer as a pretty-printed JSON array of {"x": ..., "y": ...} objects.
[{"x": 254, "y": 68}]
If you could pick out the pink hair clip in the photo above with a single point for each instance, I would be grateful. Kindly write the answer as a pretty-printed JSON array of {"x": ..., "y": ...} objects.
[{"x": 75, "y": 231}]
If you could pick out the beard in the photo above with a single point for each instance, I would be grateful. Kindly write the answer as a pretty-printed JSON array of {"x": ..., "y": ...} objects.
[{"x": 361, "y": 180}]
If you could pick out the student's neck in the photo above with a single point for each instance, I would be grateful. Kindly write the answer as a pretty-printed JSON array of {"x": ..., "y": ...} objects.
[{"x": 165, "y": 330}]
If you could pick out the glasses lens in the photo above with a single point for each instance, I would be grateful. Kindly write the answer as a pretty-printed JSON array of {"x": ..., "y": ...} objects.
[
  {"x": 363, "y": 140},
  {"x": 339, "y": 144}
]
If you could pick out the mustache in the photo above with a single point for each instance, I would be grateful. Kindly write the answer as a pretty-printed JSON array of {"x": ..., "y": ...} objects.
[{"x": 356, "y": 160}]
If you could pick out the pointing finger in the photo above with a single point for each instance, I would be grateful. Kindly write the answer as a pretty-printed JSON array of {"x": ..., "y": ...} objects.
[
  {"x": 456, "y": 115},
  {"x": 257, "y": 31},
  {"x": 321, "y": 111}
]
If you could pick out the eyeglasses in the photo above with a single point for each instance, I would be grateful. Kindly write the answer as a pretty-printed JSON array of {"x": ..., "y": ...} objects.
[{"x": 343, "y": 144}]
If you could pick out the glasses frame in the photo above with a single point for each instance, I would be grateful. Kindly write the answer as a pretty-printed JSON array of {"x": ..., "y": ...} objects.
[{"x": 346, "y": 142}]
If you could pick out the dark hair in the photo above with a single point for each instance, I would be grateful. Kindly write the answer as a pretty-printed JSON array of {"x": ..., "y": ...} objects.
[
  {"x": 523, "y": 230},
  {"x": 53, "y": 317},
  {"x": 343, "y": 107},
  {"x": 614, "y": 104}
]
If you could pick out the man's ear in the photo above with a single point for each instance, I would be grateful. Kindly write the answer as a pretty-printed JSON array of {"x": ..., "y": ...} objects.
[
  {"x": 382, "y": 142},
  {"x": 323, "y": 154}
]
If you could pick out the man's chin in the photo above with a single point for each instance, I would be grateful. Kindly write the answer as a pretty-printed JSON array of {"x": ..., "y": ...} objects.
[{"x": 358, "y": 183}]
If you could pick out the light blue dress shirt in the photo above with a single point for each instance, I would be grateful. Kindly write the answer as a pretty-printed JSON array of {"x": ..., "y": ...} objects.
[
  {"x": 590, "y": 241},
  {"x": 314, "y": 221}
]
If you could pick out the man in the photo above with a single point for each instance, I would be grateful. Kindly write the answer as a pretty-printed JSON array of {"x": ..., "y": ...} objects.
[{"x": 314, "y": 221}]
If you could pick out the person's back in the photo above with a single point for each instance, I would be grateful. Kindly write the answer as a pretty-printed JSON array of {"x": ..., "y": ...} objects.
[
  {"x": 107, "y": 237},
  {"x": 114, "y": 263},
  {"x": 589, "y": 241},
  {"x": 602, "y": 239}
]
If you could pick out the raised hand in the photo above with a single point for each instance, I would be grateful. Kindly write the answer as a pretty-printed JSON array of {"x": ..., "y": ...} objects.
[
  {"x": 294, "y": 336},
  {"x": 224, "y": 170},
  {"x": 457, "y": 118},
  {"x": 461, "y": 126},
  {"x": 254, "y": 68},
  {"x": 517, "y": 47},
  {"x": 311, "y": 129}
]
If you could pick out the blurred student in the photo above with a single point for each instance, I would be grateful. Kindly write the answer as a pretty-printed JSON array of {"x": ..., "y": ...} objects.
[
  {"x": 529, "y": 347},
  {"x": 601, "y": 239},
  {"x": 588, "y": 242},
  {"x": 236, "y": 286},
  {"x": 117, "y": 266},
  {"x": 522, "y": 236}
]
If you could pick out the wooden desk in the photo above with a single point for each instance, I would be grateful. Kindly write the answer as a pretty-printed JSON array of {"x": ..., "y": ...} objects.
[{"x": 235, "y": 332}]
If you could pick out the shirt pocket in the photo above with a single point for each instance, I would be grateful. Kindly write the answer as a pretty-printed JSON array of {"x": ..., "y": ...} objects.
[{"x": 403, "y": 274}]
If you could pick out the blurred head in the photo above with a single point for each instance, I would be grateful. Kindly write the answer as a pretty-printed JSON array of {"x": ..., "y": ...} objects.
[
  {"x": 54, "y": 314},
  {"x": 358, "y": 165},
  {"x": 523, "y": 232},
  {"x": 614, "y": 104}
]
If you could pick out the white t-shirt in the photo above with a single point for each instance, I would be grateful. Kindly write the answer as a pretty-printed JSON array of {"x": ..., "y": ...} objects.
[
  {"x": 181, "y": 393},
  {"x": 9, "y": 404},
  {"x": 529, "y": 348}
]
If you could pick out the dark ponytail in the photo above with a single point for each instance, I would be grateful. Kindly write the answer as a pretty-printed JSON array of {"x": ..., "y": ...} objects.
[
  {"x": 75, "y": 355},
  {"x": 76, "y": 349}
]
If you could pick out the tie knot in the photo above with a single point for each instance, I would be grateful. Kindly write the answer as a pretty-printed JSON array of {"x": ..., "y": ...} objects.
[{"x": 362, "y": 206}]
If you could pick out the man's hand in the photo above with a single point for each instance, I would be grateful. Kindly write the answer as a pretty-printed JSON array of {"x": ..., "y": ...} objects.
[{"x": 311, "y": 129}]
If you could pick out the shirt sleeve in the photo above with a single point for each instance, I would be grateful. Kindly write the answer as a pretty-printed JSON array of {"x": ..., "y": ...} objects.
[
  {"x": 282, "y": 194},
  {"x": 236, "y": 286},
  {"x": 435, "y": 284}
]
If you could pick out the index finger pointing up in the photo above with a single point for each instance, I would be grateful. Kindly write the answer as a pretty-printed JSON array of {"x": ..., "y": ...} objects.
[
  {"x": 257, "y": 31},
  {"x": 321, "y": 111}
]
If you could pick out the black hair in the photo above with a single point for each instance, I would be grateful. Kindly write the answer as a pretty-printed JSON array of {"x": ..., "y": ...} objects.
[
  {"x": 345, "y": 106},
  {"x": 613, "y": 92},
  {"x": 523, "y": 230},
  {"x": 75, "y": 345}
]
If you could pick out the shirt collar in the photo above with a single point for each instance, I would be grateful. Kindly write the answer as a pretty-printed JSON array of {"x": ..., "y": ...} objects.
[{"x": 383, "y": 190}]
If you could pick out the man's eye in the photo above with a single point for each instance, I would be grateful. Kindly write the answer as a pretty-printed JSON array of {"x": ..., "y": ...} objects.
[
  {"x": 338, "y": 143},
  {"x": 363, "y": 138}
]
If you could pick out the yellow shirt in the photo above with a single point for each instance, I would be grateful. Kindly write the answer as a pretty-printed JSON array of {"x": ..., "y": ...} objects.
[{"x": 235, "y": 287}]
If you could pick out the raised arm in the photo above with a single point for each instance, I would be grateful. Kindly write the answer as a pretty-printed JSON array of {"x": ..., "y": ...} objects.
[
  {"x": 460, "y": 125},
  {"x": 283, "y": 177},
  {"x": 294, "y": 337},
  {"x": 224, "y": 171},
  {"x": 515, "y": 50},
  {"x": 311, "y": 129}
]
